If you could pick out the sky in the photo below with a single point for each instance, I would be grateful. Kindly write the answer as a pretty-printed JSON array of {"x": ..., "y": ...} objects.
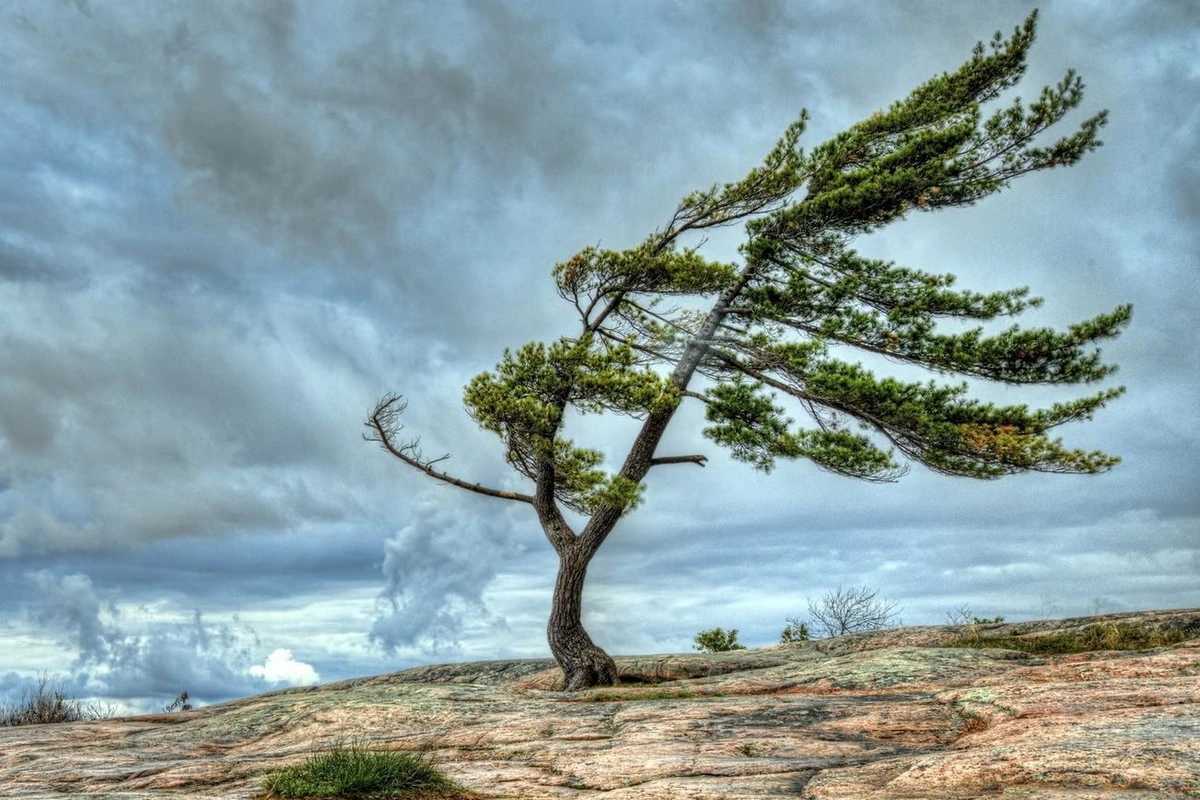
[{"x": 229, "y": 227}]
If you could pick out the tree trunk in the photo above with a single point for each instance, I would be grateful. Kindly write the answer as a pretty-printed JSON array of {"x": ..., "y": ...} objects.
[{"x": 582, "y": 662}]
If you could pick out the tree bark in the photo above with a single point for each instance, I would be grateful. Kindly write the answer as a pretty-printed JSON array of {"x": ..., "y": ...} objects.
[{"x": 582, "y": 662}]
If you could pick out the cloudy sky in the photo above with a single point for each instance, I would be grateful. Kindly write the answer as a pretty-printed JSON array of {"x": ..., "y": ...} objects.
[{"x": 228, "y": 227}]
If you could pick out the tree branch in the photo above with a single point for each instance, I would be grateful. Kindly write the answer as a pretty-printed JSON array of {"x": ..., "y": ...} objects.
[
  {"x": 558, "y": 531},
  {"x": 695, "y": 459},
  {"x": 384, "y": 423}
]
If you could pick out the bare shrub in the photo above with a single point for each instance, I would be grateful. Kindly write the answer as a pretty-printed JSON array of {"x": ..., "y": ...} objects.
[
  {"x": 964, "y": 616},
  {"x": 852, "y": 610},
  {"x": 959, "y": 616},
  {"x": 47, "y": 702}
]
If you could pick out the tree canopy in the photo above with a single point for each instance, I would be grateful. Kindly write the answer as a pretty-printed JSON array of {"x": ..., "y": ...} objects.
[{"x": 783, "y": 323}]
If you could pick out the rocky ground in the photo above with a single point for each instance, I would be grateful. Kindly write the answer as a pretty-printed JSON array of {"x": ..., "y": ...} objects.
[{"x": 886, "y": 715}]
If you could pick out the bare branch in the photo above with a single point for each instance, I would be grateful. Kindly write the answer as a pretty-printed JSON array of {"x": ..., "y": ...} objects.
[{"x": 384, "y": 424}]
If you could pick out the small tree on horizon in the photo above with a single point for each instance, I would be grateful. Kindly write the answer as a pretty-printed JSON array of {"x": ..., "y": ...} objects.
[
  {"x": 794, "y": 631},
  {"x": 855, "y": 610},
  {"x": 782, "y": 321},
  {"x": 717, "y": 640}
]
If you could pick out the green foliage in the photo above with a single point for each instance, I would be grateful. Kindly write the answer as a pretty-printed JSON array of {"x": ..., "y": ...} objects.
[
  {"x": 646, "y": 268},
  {"x": 47, "y": 703},
  {"x": 795, "y": 631},
  {"x": 933, "y": 150},
  {"x": 986, "y": 620},
  {"x": 784, "y": 323},
  {"x": 717, "y": 640},
  {"x": 355, "y": 771},
  {"x": 803, "y": 290},
  {"x": 755, "y": 430},
  {"x": 525, "y": 399},
  {"x": 1101, "y": 636}
]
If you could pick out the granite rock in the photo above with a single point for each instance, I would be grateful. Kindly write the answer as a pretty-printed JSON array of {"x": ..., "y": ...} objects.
[{"x": 892, "y": 714}]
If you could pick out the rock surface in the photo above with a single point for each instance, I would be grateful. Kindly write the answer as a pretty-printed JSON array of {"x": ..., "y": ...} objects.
[{"x": 886, "y": 715}]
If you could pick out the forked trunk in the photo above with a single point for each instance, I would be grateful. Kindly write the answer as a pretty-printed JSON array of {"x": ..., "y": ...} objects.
[{"x": 582, "y": 662}]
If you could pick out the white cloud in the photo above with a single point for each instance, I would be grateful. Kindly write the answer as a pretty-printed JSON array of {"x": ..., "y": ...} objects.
[{"x": 282, "y": 667}]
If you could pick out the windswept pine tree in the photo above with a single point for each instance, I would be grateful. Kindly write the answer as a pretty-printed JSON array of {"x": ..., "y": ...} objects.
[{"x": 661, "y": 325}]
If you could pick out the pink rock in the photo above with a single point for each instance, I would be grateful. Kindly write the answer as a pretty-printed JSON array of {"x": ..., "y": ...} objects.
[{"x": 891, "y": 714}]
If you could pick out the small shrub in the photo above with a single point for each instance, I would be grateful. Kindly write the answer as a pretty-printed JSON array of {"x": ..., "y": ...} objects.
[
  {"x": 796, "y": 631},
  {"x": 355, "y": 771},
  {"x": 717, "y": 640},
  {"x": 180, "y": 703},
  {"x": 959, "y": 616},
  {"x": 48, "y": 703},
  {"x": 963, "y": 616}
]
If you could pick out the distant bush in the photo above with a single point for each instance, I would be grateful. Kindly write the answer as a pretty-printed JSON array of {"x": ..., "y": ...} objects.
[
  {"x": 853, "y": 610},
  {"x": 47, "y": 703},
  {"x": 796, "y": 631},
  {"x": 963, "y": 616},
  {"x": 717, "y": 640},
  {"x": 356, "y": 771},
  {"x": 180, "y": 703}
]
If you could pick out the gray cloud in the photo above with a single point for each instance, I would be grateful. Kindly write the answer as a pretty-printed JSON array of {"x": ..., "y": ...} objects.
[
  {"x": 437, "y": 568},
  {"x": 115, "y": 659},
  {"x": 198, "y": 406}
]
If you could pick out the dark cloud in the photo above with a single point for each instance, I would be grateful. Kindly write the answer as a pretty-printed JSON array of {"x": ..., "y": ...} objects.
[{"x": 195, "y": 404}]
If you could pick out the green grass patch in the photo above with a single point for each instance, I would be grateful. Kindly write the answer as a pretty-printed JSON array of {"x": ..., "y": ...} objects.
[
  {"x": 357, "y": 772},
  {"x": 1101, "y": 636}
]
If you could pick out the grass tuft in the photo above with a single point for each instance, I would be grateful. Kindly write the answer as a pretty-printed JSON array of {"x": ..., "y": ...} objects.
[
  {"x": 48, "y": 703},
  {"x": 1101, "y": 636},
  {"x": 357, "y": 772}
]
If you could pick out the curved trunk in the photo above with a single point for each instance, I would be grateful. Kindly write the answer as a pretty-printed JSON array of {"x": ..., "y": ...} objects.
[{"x": 582, "y": 662}]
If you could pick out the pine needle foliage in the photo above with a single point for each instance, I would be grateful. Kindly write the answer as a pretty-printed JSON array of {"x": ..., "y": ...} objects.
[
  {"x": 780, "y": 320},
  {"x": 660, "y": 323}
]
